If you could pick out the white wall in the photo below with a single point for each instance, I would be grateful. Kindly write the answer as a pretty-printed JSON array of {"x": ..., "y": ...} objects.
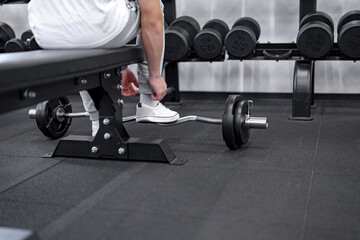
[
  {"x": 279, "y": 23},
  {"x": 16, "y": 16}
]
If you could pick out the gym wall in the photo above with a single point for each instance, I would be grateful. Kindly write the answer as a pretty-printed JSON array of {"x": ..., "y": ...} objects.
[{"x": 279, "y": 23}]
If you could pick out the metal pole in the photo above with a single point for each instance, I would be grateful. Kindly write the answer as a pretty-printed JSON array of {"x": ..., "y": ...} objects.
[
  {"x": 171, "y": 70},
  {"x": 307, "y": 6},
  {"x": 303, "y": 93}
]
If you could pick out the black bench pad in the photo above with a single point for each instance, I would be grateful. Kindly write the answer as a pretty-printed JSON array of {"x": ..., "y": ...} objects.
[{"x": 24, "y": 69}]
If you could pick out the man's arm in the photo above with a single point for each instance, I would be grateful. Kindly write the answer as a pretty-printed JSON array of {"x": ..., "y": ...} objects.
[{"x": 152, "y": 32}]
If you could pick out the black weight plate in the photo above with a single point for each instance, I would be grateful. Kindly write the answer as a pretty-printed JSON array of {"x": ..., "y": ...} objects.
[
  {"x": 317, "y": 17},
  {"x": 208, "y": 44},
  {"x": 6, "y": 33},
  {"x": 218, "y": 25},
  {"x": 315, "y": 40},
  {"x": 189, "y": 24},
  {"x": 349, "y": 39},
  {"x": 27, "y": 35},
  {"x": 47, "y": 121},
  {"x": 176, "y": 43},
  {"x": 15, "y": 45},
  {"x": 228, "y": 120},
  {"x": 240, "y": 42},
  {"x": 250, "y": 23},
  {"x": 242, "y": 133},
  {"x": 348, "y": 17}
]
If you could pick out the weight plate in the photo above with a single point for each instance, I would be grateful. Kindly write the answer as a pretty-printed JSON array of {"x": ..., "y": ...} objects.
[
  {"x": 208, "y": 44},
  {"x": 242, "y": 133},
  {"x": 349, "y": 39},
  {"x": 315, "y": 40},
  {"x": 218, "y": 25},
  {"x": 228, "y": 122},
  {"x": 240, "y": 42},
  {"x": 176, "y": 43},
  {"x": 250, "y": 23},
  {"x": 189, "y": 24},
  {"x": 348, "y": 17},
  {"x": 317, "y": 17},
  {"x": 15, "y": 45},
  {"x": 47, "y": 120}
]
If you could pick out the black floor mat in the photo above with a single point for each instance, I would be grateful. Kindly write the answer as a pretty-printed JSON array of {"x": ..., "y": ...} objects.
[{"x": 296, "y": 180}]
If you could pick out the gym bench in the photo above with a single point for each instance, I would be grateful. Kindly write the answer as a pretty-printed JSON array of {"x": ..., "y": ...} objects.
[{"x": 27, "y": 78}]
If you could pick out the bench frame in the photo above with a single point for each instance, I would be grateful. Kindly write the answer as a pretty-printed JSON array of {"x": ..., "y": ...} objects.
[{"x": 117, "y": 145}]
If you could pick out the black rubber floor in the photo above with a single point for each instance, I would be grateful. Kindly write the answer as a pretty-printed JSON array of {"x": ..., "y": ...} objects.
[{"x": 296, "y": 180}]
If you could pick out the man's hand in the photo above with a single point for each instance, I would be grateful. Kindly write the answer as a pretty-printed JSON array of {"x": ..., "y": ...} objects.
[
  {"x": 128, "y": 78},
  {"x": 158, "y": 85}
]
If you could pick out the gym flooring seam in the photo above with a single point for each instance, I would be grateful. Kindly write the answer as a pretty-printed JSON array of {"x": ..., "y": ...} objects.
[
  {"x": 312, "y": 176},
  {"x": 33, "y": 176}
]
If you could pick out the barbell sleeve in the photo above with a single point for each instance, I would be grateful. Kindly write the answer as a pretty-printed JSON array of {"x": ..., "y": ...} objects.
[
  {"x": 32, "y": 113},
  {"x": 256, "y": 123}
]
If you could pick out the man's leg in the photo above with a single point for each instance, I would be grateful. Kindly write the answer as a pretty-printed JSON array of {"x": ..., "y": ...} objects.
[
  {"x": 143, "y": 79},
  {"x": 130, "y": 32},
  {"x": 149, "y": 110},
  {"x": 89, "y": 106},
  {"x": 143, "y": 74},
  {"x": 157, "y": 112}
]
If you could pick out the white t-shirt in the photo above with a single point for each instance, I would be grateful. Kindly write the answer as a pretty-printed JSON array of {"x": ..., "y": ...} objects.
[{"x": 69, "y": 24}]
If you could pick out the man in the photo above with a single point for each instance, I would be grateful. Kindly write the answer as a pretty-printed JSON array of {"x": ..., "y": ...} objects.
[{"x": 83, "y": 24}]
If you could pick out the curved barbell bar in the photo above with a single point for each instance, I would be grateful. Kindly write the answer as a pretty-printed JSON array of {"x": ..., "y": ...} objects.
[{"x": 250, "y": 122}]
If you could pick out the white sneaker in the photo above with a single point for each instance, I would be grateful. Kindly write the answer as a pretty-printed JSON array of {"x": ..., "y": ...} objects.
[{"x": 158, "y": 114}]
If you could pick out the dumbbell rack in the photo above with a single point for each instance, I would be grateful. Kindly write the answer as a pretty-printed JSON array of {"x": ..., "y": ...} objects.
[{"x": 304, "y": 72}]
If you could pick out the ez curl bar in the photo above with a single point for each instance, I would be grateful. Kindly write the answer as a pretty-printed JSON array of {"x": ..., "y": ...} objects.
[{"x": 53, "y": 118}]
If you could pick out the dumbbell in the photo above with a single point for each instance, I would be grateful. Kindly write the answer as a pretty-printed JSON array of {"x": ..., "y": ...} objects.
[
  {"x": 53, "y": 118},
  {"x": 241, "y": 40},
  {"x": 209, "y": 43},
  {"x": 179, "y": 38},
  {"x": 316, "y": 35},
  {"x": 26, "y": 43},
  {"x": 6, "y": 33},
  {"x": 349, "y": 34}
]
